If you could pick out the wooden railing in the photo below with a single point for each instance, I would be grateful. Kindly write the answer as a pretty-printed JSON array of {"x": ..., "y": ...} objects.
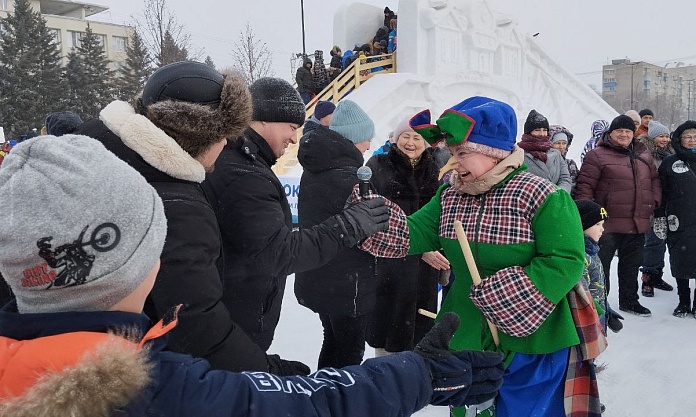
[{"x": 351, "y": 78}]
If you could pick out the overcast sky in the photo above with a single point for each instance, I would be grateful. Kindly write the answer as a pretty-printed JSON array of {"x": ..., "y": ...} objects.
[{"x": 581, "y": 36}]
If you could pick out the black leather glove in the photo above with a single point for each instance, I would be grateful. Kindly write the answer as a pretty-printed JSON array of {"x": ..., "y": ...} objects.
[
  {"x": 460, "y": 378},
  {"x": 282, "y": 367},
  {"x": 364, "y": 219}
]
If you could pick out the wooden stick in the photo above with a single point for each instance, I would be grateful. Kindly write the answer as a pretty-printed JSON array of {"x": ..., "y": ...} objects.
[
  {"x": 427, "y": 313},
  {"x": 473, "y": 270}
]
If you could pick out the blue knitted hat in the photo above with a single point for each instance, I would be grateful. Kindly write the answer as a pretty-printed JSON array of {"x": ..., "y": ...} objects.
[
  {"x": 323, "y": 109},
  {"x": 351, "y": 122},
  {"x": 480, "y": 120}
]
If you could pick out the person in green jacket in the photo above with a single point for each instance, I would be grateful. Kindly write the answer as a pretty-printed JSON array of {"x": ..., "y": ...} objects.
[{"x": 527, "y": 242}]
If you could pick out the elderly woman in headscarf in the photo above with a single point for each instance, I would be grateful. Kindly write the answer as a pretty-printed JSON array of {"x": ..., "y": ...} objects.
[
  {"x": 598, "y": 127},
  {"x": 526, "y": 241}
]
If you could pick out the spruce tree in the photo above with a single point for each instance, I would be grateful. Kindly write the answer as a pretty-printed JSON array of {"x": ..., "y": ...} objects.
[
  {"x": 209, "y": 62},
  {"x": 171, "y": 51},
  {"x": 138, "y": 68},
  {"x": 89, "y": 77},
  {"x": 30, "y": 73}
]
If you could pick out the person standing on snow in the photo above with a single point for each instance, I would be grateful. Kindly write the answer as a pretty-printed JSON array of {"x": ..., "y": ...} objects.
[
  {"x": 540, "y": 156},
  {"x": 173, "y": 136},
  {"x": 530, "y": 266},
  {"x": 259, "y": 244}
]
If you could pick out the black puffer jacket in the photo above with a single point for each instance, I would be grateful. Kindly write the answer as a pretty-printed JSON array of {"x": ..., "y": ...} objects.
[
  {"x": 345, "y": 286},
  {"x": 190, "y": 261},
  {"x": 678, "y": 179},
  {"x": 259, "y": 245}
]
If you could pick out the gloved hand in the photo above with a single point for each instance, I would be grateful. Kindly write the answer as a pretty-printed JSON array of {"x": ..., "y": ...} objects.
[
  {"x": 364, "y": 219},
  {"x": 614, "y": 320},
  {"x": 660, "y": 227},
  {"x": 460, "y": 378},
  {"x": 282, "y": 367}
]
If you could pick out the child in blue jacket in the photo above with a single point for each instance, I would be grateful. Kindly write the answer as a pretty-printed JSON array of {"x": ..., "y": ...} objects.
[{"x": 81, "y": 262}]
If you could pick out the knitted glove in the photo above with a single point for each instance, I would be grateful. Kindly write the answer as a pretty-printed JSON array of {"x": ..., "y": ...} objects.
[
  {"x": 459, "y": 378},
  {"x": 364, "y": 219},
  {"x": 282, "y": 367},
  {"x": 660, "y": 227}
]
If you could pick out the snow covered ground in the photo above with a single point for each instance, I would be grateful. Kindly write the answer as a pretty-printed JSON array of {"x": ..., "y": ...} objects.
[{"x": 651, "y": 363}]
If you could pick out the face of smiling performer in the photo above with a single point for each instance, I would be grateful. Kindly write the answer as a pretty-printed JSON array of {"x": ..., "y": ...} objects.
[{"x": 471, "y": 165}]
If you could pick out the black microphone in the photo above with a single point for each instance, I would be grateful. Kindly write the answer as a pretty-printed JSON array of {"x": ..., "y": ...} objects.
[{"x": 364, "y": 175}]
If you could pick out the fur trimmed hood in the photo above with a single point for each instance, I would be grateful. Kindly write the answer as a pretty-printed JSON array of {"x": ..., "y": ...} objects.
[
  {"x": 105, "y": 378},
  {"x": 150, "y": 142},
  {"x": 175, "y": 132}
]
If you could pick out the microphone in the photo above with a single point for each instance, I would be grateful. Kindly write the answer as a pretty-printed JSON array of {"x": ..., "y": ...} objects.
[{"x": 364, "y": 175}]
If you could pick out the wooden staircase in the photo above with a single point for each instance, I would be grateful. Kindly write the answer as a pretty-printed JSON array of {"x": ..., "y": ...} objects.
[{"x": 351, "y": 78}]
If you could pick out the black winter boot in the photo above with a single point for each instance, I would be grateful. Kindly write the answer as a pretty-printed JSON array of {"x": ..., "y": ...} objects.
[
  {"x": 684, "y": 292},
  {"x": 656, "y": 281}
]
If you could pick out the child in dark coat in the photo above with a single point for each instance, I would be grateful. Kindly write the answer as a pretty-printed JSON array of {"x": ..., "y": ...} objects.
[{"x": 592, "y": 216}]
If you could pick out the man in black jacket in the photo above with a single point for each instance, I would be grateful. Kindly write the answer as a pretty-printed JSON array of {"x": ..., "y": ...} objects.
[
  {"x": 259, "y": 244},
  {"x": 172, "y": 137}
]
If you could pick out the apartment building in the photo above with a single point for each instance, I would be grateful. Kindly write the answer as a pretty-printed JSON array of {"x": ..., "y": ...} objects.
[
  {"x": 635, "y": 85},
  {"x": 67, "y": 20}
]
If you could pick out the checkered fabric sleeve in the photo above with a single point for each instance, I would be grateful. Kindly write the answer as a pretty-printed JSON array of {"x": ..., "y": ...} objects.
[
  {"x": 393, "y": 242},
  {"x": 511, "y": 301}
]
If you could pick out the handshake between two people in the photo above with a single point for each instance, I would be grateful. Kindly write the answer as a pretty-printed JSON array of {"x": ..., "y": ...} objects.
[{"x": 362, "y": 220}]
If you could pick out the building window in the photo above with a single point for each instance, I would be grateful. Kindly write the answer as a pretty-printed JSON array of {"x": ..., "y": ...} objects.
[
  {"x": 119, "y": 43},
  {"x": 56, "y": 36},
  {"x": 75, "y": 38},
  {"x": 101, "y": 40},
  {"x": 4, "y": 4}
]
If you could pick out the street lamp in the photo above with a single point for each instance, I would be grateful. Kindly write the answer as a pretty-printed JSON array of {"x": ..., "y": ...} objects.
[{"x": 304, "y": 50}]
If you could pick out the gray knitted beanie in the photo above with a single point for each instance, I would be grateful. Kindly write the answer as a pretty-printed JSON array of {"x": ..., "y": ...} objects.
[
  {"x": 82, "y": 228},
  {"x": 351, "y": 122},
  {"x": 275, "y": 100},
  {"x": 656, "y": 129}
]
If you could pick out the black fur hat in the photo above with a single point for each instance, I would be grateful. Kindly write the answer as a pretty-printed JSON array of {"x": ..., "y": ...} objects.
[
  {"x": 535, "y": 120},
  {"x": 196, "y": 105}
]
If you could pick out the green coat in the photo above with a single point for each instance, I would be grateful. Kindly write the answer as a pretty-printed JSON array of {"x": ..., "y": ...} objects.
[{"x": 522, "y": 221}]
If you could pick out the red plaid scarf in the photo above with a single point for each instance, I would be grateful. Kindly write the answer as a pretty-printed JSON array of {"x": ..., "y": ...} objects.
[
  {"x": 535, "y": 145},
  {"x": 581, "y": 398}
]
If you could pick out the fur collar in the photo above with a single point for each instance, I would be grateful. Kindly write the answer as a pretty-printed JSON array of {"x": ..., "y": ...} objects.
[
  {"x": 108, "y": 377},
  {"x": 150, "y": 142}
]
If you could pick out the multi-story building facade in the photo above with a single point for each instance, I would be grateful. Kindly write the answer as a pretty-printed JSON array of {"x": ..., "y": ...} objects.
[
  {"x": 669, "y": 90},
  {"x": 67, "y": 20}
]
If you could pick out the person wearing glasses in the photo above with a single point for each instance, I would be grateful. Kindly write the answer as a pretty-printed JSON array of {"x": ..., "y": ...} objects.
[
  {"x": 620, "y": 175},
  {"x": 676, "y": 220}
]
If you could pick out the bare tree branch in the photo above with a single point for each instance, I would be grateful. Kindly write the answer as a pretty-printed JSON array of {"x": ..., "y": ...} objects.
[{"x": 251, "y": 56}]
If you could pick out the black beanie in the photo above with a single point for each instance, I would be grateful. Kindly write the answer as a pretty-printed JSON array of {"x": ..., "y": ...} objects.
[
  {"x": 646, "y": 112},
  {"x": 61, "y": 123},
  {"x": 591, "y": 213},
  {"x": 535, "y": 120},
  {"x": 622, "y": 122},
  {"x": 275, "y": 100}
]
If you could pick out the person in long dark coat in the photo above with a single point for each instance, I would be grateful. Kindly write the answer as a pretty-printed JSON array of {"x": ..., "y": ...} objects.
[
  {"x": 342, "y": 291},
  {"x": 676, "y": 218},
  {"x": 406, "y": 175}
]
